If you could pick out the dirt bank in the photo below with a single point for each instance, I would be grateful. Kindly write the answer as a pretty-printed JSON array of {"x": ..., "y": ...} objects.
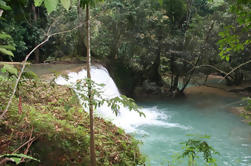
[
  {"x": 205, "y": 90},
  {"x": 235, "y": 92}
]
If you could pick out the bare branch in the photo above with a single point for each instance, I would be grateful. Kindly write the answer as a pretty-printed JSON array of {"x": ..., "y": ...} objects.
[
  {"x": 236, "y": 68},
  {"x": 25, "y": 62},
  {"x": 2, "y": 162},
  {"x": 31, "y": 139},
  {"x": 213, "y": 67}
]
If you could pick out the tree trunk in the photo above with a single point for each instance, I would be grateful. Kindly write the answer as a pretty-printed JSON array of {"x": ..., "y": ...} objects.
[
  {"x": 172, "y": 71},
  {"x": 81, "y": 45},
  {"x": 153, "y": 72},
  {"x": 37, "y": 60},
  {"x": 191, "y": 74},
  {"x": 92, "y": 143},
  {"x": 176, "y": 82},
  {"x": 205, "y": 81}
]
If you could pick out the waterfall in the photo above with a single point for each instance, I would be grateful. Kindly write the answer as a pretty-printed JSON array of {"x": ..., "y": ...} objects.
[{"x": 126, "y": 119}]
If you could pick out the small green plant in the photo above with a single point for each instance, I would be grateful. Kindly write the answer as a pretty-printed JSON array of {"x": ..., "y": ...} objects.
[
  {"x": 248, "y": 105},
  {"x": 247, "y": 112},
  {"x": 195, "y": 148},
  {"x": 10, "y": 72},
  {"x": 16, "y": 158},
  {"x": 99, "y": 100}
]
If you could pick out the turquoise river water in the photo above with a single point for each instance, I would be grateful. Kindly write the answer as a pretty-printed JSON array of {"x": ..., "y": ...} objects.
[
  {"x": 168, "y": 123},
  {"x": 229, "y": 135}
]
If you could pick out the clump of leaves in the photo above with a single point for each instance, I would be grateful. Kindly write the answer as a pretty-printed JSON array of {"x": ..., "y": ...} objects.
[
  {"x": 17, "y": 158},
  {"x": 97, "y": 93},
  {"x": 247, "y": 113},
  {"x": 195, "y": 148}
]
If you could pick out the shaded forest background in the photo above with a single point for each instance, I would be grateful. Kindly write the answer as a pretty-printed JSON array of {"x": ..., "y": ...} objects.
[{"x": 151, "y": 43}]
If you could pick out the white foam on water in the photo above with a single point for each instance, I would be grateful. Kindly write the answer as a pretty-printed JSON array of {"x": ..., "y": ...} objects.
[{"x": 126, "y": 119}]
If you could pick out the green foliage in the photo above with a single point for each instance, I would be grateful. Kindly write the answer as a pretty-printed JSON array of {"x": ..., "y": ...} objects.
[
  {"x": 83, "y": 3},
  {"x": 98, "y": 99},
  {"x": 4, "y": 6},
  {"x": 17, "y": 158},
  {"x": 66, "y": 4},
  {"x": 12, "y": 71},
  {"x": 9, "y": 69},
  {"x": 6, "y": 44},
  {"x": 51, "y": 5},
  {"x": 60, "y": 123},
  {"x": 38, "y": 2},
  {"x": 5, "y": 51},
  {"x": 247, "y": 113},
  {"x": 233, "y": 38},
  {"x": 248, "y": 107},
  {"x": 4, "y": 36},
  {"x": 194, "y": 148}
]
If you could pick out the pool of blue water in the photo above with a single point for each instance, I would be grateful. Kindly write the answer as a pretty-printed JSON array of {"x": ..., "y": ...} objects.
[{"x": 197, "y": 116}]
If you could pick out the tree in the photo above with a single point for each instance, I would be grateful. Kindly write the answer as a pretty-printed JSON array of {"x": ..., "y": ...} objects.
[
  {"x": 236, "y": 36},
  {"x": 90, "y": 97},
  {"x": 85, "y": 4}
]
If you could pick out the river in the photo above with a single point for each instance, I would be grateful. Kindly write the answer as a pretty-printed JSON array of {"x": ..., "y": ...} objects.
[
  {"x": 229, "y": 136},
  {"x": 168, "y": 123}
]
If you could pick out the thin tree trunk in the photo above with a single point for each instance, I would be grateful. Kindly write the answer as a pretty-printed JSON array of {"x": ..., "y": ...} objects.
[
  {"x": 176, "y": 82},
  {"x": 153, "y": 72},
  {"x": 172, "y": 71},
  {"x": 35, "y": 21},
  {"x": 205, "y": 81},
  {"x": 171, "y": 87},
  {"x": 24, "y": 63},
  {"x": 92, "y": 144},
  {"x": 198, "y": 59},
  {"x": 81, "y": 45}
]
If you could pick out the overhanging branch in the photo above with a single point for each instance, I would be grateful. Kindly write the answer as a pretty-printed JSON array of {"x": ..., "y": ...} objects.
[{"x": 48, "y": 36}]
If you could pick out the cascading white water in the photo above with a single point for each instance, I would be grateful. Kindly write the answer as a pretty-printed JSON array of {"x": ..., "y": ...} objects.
[{"x": 126, "y": 119}]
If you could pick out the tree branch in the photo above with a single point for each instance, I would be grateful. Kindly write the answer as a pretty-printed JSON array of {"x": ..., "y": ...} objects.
[
  {"x": 25, "y": 62},
  {"x": 227, "y": 74}
]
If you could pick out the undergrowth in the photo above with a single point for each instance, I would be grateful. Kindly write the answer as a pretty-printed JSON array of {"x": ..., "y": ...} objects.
[{"x": 52, "y": 116}]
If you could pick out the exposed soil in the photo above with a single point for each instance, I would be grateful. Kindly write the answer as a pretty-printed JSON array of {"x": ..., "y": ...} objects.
[
  {"x": 205, "y": 90},
  {"x": 216, "y": 88}
]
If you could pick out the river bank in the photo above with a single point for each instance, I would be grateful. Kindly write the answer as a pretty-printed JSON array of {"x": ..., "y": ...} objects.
[
  {"x": 201, "y": 100},
  {"x": 215, "y": 86},
  {"x": 47, "y": 122}
]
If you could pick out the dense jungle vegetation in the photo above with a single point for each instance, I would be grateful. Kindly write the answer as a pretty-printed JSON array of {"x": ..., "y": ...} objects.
[
  {"x": 161, "y": 42},
  {"x": 150, "y": 47}
]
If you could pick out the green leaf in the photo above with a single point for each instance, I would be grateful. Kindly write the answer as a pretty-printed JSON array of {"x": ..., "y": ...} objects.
[
  {"x": 4, "y": 6},
  {"x": 66, "y": 4},
  {"x": 17, "y": 157},
  {"x": 4, "y": 36},
  {"x": 50, "y": 5},
  {"x": 8, "y": 47},
  {"x": 6, "y": 52},
  {"x": 38, "y": 2},
  {"x": 9, "y": 69},
  {"x": 160, "y": 2}
]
